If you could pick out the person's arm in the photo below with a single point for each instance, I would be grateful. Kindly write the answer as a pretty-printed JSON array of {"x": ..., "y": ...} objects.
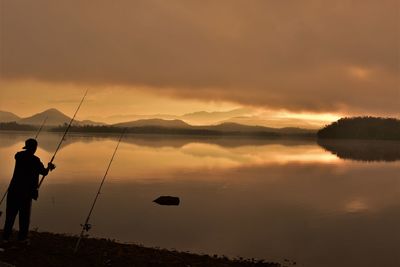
[
  {"x": 43, "y": 171},
  {"x": 35, "y": 183}
]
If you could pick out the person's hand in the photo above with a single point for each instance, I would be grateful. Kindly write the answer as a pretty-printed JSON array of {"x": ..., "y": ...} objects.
[
  {"x": 35, "y": 194},
  {"x": 51, "y": 166}
]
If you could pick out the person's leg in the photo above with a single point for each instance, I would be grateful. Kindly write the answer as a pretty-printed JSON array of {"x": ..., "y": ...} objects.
[
  {"x": 24, "y": 219},
  {"x": 11, "y": 213}
]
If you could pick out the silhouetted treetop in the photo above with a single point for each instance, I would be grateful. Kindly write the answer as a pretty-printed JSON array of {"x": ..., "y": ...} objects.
[
  {"x": 13, "y": 126},
  {"x": 362, "y": 128}
]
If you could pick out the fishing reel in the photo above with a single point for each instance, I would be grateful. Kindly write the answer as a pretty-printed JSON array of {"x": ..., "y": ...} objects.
[{"x": 86, "y": 226}]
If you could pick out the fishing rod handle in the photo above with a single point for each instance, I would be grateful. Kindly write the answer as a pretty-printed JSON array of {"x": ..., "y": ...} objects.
[
  {"x": 4, "y": 196},
  {"x": 41, "y": 181}
]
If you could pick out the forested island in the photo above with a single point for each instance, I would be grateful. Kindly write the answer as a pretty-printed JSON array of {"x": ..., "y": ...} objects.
[{"x": 372, "y": 128}]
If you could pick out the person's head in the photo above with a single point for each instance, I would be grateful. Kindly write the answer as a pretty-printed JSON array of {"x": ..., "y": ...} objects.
[{"x": 31, "y": 145}]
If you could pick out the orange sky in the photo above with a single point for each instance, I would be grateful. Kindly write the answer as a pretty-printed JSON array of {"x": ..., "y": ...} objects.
[{"x": 289, "y": 63}]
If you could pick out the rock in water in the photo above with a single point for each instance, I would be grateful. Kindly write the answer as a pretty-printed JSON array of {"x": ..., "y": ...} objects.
[{"x": 167, "y": 201}]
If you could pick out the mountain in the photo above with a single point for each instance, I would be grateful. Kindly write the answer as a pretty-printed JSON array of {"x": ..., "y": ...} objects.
[
  {"x": 194, "y": 118},
  {"x": 57, "y": 118},
  {"x": 154, "y": 122},
  {"x": 54, "y": 118},
  {"x": 8, "y": 117},
  {"x": 236, "y": 127},
  {"x": 275, "y": 123},
  {"x": 204, "y": 117},
  {"x": 177, "y": 127},
  {"x": 90, "y": 122},
  {"x": 114, "y": 119}
]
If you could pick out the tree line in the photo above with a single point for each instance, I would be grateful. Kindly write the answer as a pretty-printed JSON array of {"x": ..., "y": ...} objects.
[
  {"x": 362, "y": 128},
  {"x": 13, "y": 126},
  {"x": 160, "y": 130}
]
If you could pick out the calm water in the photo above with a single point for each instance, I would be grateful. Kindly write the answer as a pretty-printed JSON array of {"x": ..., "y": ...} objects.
[{"x": 280, "y": 199}]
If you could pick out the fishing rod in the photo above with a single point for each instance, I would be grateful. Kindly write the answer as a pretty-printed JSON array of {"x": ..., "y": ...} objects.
[
  {"x": 36, "y": 137},
  {"x": 86, "y": 226},
  {"x": 64, "y": 135},
  {"x": 41, "y": 127}
]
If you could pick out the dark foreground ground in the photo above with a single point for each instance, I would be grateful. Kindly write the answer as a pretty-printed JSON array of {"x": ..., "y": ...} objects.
[{"x": 48, "y": 249}]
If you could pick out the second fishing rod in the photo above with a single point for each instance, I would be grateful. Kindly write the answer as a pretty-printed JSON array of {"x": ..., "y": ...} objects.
[{"x": 87, "y": 226}]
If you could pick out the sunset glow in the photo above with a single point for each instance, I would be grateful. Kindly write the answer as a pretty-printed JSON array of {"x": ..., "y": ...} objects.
[{"x": 209, "y": 132}]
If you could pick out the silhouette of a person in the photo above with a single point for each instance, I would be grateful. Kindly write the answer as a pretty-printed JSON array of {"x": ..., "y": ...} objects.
[{"x": 23, "y": 188}]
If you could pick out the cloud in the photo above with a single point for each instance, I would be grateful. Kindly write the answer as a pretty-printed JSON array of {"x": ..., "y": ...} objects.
[{"x": 311, "y": 55}]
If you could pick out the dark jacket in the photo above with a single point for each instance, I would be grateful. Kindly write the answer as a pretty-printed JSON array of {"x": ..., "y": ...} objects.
[{"x": 25, "y": 179}]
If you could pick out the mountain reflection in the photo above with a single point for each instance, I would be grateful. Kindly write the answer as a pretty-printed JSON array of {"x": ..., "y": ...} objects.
[
  {"x": 283, "y": 149},
  {"x": 363, "y": 150},
  {"x": 143, "y": 157},
  {"x": 49, "y": 141}
]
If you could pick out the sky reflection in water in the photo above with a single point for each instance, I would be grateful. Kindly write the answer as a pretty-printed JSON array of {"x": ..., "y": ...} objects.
[{"x": 268, "y": 199}]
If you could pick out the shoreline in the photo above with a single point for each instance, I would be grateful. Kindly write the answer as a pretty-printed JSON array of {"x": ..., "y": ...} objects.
[
  {"x": 214, "y": 135},
  {"x": 52, "y": 249}
]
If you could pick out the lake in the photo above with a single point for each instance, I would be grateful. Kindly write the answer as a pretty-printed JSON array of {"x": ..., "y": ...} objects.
[{"x": 298, "y": 200}]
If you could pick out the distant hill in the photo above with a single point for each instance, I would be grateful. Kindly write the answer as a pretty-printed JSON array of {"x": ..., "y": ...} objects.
[
  {"x": 57, "y": 119},
  {"x": 114, "y": 119},
  {"x": 90, "y": 122},
  {"x": 362, "y": 128},
  {"x": 223, "y": 127},
  {"x": 273, "y": 122},
  {"x": 154, "y": 122},
  {"x": 236, "y": 127},
  {"x": 193, "y": 118},
  {"x": 54, "y": 118},
  {"x": 178, "y": 127},
  {"x": 8, "y": 117},
  {"x": 204, "y": 117}
]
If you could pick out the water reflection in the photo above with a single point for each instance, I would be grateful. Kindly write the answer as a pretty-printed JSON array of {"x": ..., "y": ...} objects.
[
  {"x": 254, "y": 198},
  {"x": 150, "y": 158},
  {"x": 363, "y": 150},
  {"x": 49, "y": 140}
]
